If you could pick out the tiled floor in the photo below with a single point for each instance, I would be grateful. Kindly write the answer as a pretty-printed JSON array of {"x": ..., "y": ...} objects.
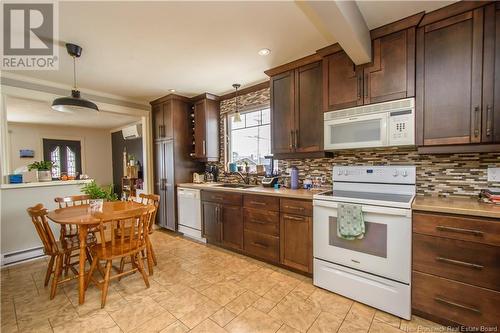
[{"x": 194, "y": 288}]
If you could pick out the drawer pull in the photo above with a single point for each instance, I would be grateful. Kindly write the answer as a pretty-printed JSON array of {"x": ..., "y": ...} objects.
[
  {"x": 257, "y": 203},
  {"x": 460, "y": 263},
  {"x": 294, "y": 207},
  {"x": 217, "y": 197},
  {"x": 261, "y": 245},
  {"x": 460, "y": 230},
  {"x": 460, "y": 306},
  {"x": 258, "y": 221},
  {"x": 288, "y": 217}
]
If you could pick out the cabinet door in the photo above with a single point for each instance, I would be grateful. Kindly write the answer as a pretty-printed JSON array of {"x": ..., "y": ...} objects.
[
  {"x": 449, "y": 80},
  {"x": 168, "y": 120},
  {"x": 200, "y": 148},
  {"x": 169, "y": 185},
  {"x": 211, "y": 226},
  {"x": 296, "y": 241},
  {"x": 282, "y": 110},
  {"x": 391, "y": 74},
  {"x": 342, "y": 82},
  {"x": 491, "y": 75},
  {"x": 308, "y": 112},
  {"x": 231, "y": 219},
  {"x": 157, "y": 121}
]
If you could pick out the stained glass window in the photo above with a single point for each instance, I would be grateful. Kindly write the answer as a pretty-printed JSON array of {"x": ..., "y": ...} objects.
[
  {"x": 66, "y": 156},
  {"x": 70, "y": 161},
  {"x": 55, "y": 157}
]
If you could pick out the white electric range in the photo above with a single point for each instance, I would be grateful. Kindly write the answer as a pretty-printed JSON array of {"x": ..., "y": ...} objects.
[{"x": 375, "y": 270}]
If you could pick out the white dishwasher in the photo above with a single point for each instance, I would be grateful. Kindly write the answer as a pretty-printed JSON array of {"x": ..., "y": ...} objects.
[{"x": 189, "y": 210}]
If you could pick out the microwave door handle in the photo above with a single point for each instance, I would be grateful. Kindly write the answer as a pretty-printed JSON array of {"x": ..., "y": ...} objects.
[{"x": 384, "y": 132}]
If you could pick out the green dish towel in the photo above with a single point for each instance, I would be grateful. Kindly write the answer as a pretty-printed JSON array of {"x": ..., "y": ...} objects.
[{"x": 350, "y": 223}]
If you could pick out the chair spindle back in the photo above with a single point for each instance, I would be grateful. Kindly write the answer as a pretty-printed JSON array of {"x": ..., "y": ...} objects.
[{"x": 38, "y": 216}]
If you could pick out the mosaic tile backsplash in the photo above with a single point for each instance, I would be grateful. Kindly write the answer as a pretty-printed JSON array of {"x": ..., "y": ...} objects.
[{"x": 437, "y": 175}]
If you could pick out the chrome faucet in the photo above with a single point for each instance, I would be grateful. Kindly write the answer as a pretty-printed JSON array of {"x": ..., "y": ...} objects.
[{"x": 246, "y": 179}]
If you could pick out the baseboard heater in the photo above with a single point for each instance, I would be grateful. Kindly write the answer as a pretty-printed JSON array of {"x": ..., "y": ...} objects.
[{"x": 23, "y": 255}]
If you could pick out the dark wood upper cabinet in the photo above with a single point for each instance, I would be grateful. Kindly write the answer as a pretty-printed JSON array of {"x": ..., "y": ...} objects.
[
  {"x": 206, "y": 128},
  {"x": 342, "y": 82},
  {"x": 449, "y": 80},
  {"x": 491, "y": 75},
  {"x": 296, "y": 111},
  {"x": 231, "y": 219},
  {"x": 308, "y": 112},
  {"x": 391, "y": 75},
  {"x": 282, "y": 112}
]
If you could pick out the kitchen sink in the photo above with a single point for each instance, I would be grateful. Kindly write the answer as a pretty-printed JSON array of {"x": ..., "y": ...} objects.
[{"x": 235, "y": 185}]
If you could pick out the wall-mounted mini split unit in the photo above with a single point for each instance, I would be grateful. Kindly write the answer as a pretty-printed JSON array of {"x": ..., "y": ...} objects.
[{"x": 132, "y": 132}]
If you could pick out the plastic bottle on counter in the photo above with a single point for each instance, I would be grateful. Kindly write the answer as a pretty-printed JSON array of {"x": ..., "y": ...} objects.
[{"x": 294, "y": 175}]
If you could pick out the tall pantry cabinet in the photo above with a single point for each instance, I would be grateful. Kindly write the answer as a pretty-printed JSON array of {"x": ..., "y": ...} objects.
[{"x": 172, "y": 162}]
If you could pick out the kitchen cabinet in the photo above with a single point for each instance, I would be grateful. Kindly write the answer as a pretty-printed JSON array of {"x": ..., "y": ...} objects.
[
  {"x": 211, "y": 224},
  {"x": 296, "y": 234},
  {"x": 389, "y": 76},
  {"x": 171, "y": 161},
  {"x": 206, "y": 128},
  {"x": 296, "y": 111},
  {"x": 456, "y": 269},
  {"x": 231, "y": 219}
]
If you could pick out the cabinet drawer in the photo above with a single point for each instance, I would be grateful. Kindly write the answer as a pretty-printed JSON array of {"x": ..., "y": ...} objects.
[
  {"x": 222, "y": 197},
  {"x": 480, "y": 230},
  {"x": 294, "y": 206},
  {"x": 455, "y": 301},
  {"x": 261, "y": 202},
  {"x": 468, "y": 262},
  {"x": 261, "y": 245},
  {"x": 262, "y": 221}
]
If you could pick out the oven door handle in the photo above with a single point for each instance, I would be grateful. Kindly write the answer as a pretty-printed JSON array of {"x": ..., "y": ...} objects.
[{"x": 366, "y": 208}]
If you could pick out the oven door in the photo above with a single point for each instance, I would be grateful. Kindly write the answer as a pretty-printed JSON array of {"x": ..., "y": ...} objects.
[
  {"x": 356, "y": 132},
  {"x": 385, "y": 249}
]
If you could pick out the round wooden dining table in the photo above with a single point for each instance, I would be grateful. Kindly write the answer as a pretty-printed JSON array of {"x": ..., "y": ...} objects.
[{"x": 83, "y": 217}]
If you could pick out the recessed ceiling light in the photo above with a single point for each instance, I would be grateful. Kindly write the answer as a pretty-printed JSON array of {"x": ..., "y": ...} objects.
[
  {"x": 171, "y": 90},
  {"x": 264, "y": 52}
]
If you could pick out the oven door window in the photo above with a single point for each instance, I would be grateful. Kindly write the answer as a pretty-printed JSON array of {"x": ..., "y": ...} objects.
[{"x": 374, "y": 241}]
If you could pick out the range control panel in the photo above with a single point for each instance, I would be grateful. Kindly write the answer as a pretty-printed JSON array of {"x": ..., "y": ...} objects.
[{"x": 390, "y": 174}]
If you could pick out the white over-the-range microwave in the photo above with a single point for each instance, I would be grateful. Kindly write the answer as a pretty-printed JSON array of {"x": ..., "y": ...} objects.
[{"x": 376, "y": 125}]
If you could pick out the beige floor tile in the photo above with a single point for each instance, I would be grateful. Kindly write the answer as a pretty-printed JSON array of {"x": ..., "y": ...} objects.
[
  {"x": 223, "y": 292},
  {"x": 184, "y": 301},
  {"x": 8, "y": 327},
  {"x": 156, "y": 324},
  {"x": 326, "y": 323},
  {"x": 258, "y": 283},
  {"x": 252, "y": 320},
  {"x": 388, "y": 318},
  {"x": 222, "y": 317},
  {"x": 176, "y": 327},
  {"x": 265, "y": 305},
  {"x": 296, "y": 312},
  {"x": 331, "y": 302},
  {"x": 135, "y": 313},
  {"x": 417, "y": 324},
  {"x": 280, "y": 290},
  {"x": 287, "y": 329},
  {"x": 303, "y": 290},
  {"x": 381, "y": 327},
  {"x": 358, "y": 319},
  {"x": 240, "y": 303},
  {"x": 35, "y": 326},
  {"x": 89, "y": 323},
  {"x": 208, "y": 326},
  {"x": 199, "y": 313}
]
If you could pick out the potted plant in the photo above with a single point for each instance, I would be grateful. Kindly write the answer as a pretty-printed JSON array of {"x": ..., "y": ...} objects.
[
  {"x": 43, "y": 169},
  {"x": 98, "y": 195}
]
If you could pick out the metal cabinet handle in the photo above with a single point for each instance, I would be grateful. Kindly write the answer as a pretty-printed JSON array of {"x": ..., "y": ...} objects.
[
  {"x": 261, "y": 245},
  {"x": 296, "y": 138},
  {"x": 216, "y": 197},
  {"x": 291, "y": 140},
  {"x": 293, "y": 207},
  {"x": 460, "y": 263},
  {"x": 488, "y": 119},
  {"x": 257, "y": 203},
  {"x": 476, "y": 121},
  {"x": 204, "y": 147},
  {"x": 476, "y": 233},
  {"x": 366, "y": 85},
  {"x": 257, "y": 221},
  {"x": 360, "y": 85},
  {"x": 288, "y": 217},
  {"x": 457, "y": 305}
]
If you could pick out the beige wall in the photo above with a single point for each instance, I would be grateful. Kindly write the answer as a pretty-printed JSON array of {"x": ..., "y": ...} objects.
[{"x": 96, "y": 147}]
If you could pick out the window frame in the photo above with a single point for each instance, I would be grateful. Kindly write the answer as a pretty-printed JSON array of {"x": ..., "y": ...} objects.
[
  {"x": 227, "y": 120},
  {"x": 75, "y": 145}
]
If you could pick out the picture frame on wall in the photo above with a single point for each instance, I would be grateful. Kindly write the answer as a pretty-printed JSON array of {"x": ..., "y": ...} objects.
[{"x": 26, "y": 153}]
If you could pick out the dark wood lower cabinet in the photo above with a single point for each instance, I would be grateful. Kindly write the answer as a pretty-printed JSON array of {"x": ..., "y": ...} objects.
[
  {"x": 296, "y": 241},
  {"x": 211, "y": 225},
  {"x": 231, "y": 219}
]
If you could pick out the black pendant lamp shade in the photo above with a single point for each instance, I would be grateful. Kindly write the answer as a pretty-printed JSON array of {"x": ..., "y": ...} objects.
[{"x": 74, "y": 102}]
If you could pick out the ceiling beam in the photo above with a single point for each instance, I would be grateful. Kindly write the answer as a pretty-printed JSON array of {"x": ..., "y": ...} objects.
[{"x": 343, "y": 22}]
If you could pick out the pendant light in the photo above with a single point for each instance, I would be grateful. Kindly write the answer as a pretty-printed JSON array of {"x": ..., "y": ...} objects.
[
  {"x": 74, "y": 102},
  {"x": 237, "y": 117}
]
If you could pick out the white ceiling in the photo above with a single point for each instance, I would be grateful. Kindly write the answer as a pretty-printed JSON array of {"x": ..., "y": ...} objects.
[
  {"x": 140, "y": 50},
  {"x": 21, "y": 110}
]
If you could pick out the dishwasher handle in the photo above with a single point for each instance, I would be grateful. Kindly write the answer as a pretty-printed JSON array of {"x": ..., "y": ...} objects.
[{"x": 188, "y": 193}]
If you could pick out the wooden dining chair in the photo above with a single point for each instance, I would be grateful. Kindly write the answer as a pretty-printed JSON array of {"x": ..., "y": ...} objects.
[
  {"x": 57, "y": 250},
  {"x": 70, "y": 231},
  {"x": 154, "y": 200},
  {"x": 122, "y": 237}
]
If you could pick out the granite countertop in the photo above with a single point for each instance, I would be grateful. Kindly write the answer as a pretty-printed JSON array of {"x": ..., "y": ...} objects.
[
  {"x": 462, "y": 206},
  {"x": 258, "y": 189}
]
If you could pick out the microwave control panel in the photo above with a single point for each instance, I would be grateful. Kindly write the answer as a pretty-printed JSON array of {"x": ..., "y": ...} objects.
[{"x": 401, "y": 128}]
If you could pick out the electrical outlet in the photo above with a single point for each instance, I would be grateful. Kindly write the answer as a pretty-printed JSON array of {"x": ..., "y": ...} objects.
[{"x": 494, "y": 175}]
